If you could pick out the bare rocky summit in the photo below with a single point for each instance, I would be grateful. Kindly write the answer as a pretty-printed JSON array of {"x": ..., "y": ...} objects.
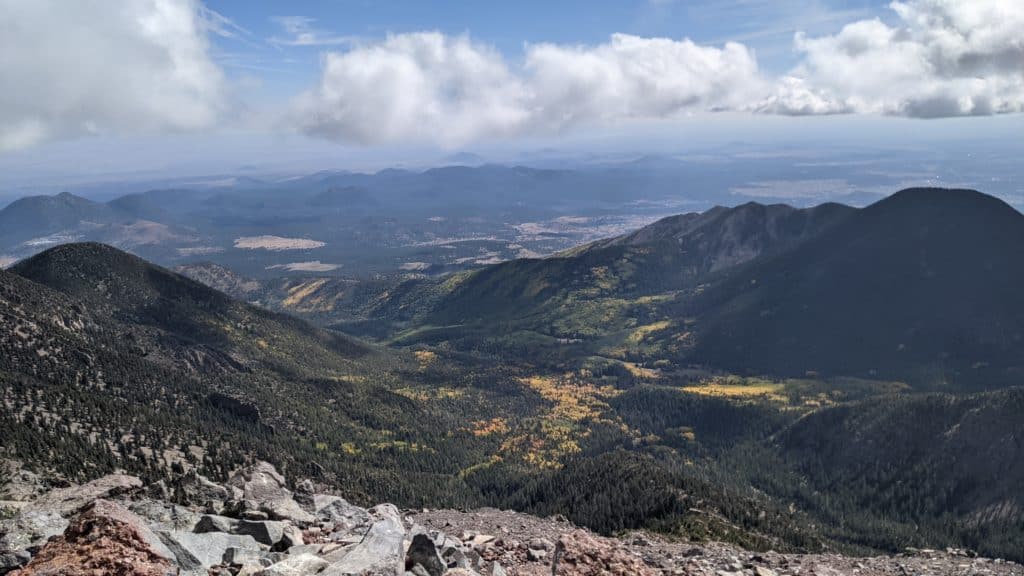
[{"x": 255, "y": 525}]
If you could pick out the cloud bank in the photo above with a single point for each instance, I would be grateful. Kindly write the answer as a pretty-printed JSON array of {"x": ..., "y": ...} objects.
[
  {"x": 942, "y": 58},
  {"x": 99, "y": 66},
  {"x": 945, "y": 58},
  {"x": 452, "y": 90},
  {"x": 96, "y": 66}
]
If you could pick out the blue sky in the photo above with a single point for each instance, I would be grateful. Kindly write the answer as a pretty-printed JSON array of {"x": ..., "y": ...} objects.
[
  {"x": 124, "y": 88},
  {"x": 767, "y": 26}
]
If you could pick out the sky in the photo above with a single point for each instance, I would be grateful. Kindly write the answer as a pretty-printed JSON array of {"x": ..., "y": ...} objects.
[{"x": 146, "y": 87}]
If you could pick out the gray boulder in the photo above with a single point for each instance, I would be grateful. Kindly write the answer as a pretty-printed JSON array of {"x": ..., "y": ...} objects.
[
  {"x": 262, "y": 484},
  {"x": 249, "y": 557},
  {"x": 165, "y": 516},
  {"x": 452, "y": 550},
  {"x": 299, "y": 565},
  {"x": 268, "y": 532},
  {"x": 201, "y": 551},
  {"x": 346, "y": 518},
  {"x": 30, "y": 529},
  {"x": 195, "y": 490},
  {"x": 214, "y": 523},
  {"x": 423, "y": 554},
  {"x": 381, "y": 551},
  {"x": 13, "y": 560},
  {"x": 291, "y": 537}
]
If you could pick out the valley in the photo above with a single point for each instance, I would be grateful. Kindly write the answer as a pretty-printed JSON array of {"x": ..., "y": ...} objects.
[{"x": 689, "y": 377}]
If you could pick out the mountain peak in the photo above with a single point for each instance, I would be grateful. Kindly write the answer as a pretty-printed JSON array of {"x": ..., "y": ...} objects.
[
  {"x": 43, "y": 199},
  {"x": 35, "y": 216},
  {"x": 134, "y": 290},
  {"x": 921, "y": 283},
  {"x": 735, "y": 235},
  {"x": 941, "y": 198},
  {"x": 100, "y": 273}
]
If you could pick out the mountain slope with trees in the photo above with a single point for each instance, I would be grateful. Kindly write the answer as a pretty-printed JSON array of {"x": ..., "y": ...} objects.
[{"x": 922, "y": 286}]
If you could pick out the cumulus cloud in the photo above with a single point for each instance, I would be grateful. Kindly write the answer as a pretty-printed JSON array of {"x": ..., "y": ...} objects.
[
  {"x": 944, "y": 58},
  {"x": 451, "y": 89},
  {"x": 415, "y": 86},
  {"x": 941, "y": 58},
  {"x": 633, "y": 77},
  {"x": 100, "y": 66}
]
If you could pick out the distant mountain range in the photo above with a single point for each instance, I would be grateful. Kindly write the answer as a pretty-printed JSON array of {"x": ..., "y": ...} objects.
[{"x": 394, "y": 221}]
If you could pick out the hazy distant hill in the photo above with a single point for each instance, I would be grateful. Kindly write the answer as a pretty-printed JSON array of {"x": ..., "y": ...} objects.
[
  {"x": 443, "y": 219},
  {"x": 38, "y": 216},
  {"x": 158, "y": 205}
]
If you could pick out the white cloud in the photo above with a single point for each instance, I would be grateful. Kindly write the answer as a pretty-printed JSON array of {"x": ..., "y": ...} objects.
[
  {"x": 129, "y": 66},
  {"x": 423, "y": 86},
  {"x": 428, "y": 86},
  {"x": 634, "y": 78},
  {"x": 944, "y": 58},
  {"x": 101, "y": 66}
]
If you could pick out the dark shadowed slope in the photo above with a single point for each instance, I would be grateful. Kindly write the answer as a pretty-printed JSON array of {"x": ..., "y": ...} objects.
[
  {"x": 183, "y": 312},
  {"x": 924, "y": 285},
  {"x": 950, "y": 465}
]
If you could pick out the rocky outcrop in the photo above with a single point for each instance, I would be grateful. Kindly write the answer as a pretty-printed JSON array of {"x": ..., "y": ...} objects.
[
  {"x": 46, "y": 516},
  {"x": 191, "y": 489},
  {"x": 68, "y": 500},
  {"x": 264, "y": 530},
  {"x": 581, "y": 554},
  {"x": 19, "y": 485},
  {"x": 105, "y": 538},
  {"x": 235, "y": 407},
  {"x": 265, "y": 491}
]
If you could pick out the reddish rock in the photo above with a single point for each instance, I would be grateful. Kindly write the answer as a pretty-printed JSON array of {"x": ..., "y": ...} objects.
[
  {"x": 580, "y": 554},
  {"x": 104, "y": 538}
]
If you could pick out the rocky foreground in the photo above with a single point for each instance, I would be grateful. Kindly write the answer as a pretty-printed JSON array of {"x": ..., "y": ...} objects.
[{"x": 254, "y": 525}]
